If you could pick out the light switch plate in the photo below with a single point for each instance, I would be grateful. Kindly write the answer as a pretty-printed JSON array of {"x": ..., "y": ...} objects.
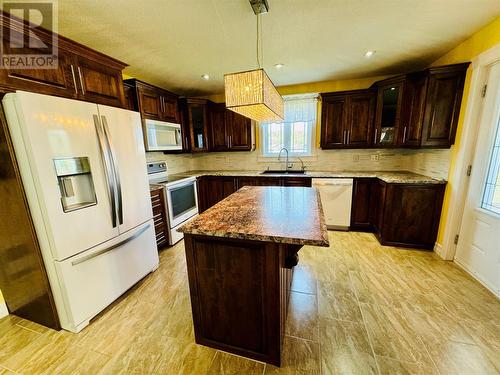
[
  {"x": 355, "y": 157},
  {"x": 375, "y": 157}
]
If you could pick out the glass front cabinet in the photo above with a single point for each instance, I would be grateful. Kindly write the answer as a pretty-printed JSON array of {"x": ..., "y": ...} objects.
[{"x": 388, "y": 114}]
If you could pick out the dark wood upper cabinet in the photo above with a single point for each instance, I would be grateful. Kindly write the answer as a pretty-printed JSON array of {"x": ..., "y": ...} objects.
[
  {"x": 442, "y": 106},
  {"x": 99, "y": 83},
  {"x": 154, "y": 102},
  {"x": 81, "y": 72},
  {"x": 347, "y": 119},
  {"x": 360, "y": 119},
  {"x": 219, "y": 140},
  {"x": 228, "y": 131},
  {"x": 59, "y": 82},
  {"x": 333, "y": 121},
  {"x": 239, "y": 131},
  {"x": 195, "y": 121},
  {"x": 149, "y": 103},
  {"x": 130, "y": 97},
  {"x": 413, "y": 109},
  {"x": 387, "y": 117}
]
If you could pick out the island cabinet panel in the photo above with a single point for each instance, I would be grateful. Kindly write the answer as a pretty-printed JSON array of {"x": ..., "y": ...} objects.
[
  {"x": 411, "y": 215},
  {"x": 213, "y": 189},
  {"x": 239, "y": 294}
]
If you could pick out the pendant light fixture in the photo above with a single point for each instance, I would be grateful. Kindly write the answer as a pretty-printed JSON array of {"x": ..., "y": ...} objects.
[{"x": 251, "y": 93}]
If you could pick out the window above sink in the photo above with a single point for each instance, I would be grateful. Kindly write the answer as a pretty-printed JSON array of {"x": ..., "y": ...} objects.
[{"x": 296, "y": 132}]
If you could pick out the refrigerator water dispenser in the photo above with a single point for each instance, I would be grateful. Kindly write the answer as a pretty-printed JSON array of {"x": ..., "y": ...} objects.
[{"x": 75, "y": 183}]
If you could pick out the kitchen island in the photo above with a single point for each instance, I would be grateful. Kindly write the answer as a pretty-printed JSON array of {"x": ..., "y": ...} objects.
[{"x": 240, "y": 256}]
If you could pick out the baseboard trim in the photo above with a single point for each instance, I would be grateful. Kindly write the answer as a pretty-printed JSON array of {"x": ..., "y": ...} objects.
[
  {"x": 438, "y": 249},
  {"x": 465, "y": 268},
  {"x": 3, "y": 309}
]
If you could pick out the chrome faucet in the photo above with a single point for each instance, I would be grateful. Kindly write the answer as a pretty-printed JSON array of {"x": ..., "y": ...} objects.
[
  {"x": 303, "y": 168},
  {"x": 279, "y": 158}
]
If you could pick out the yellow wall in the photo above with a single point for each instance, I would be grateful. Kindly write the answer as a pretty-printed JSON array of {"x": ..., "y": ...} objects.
[{"x": 479, "y": 42}]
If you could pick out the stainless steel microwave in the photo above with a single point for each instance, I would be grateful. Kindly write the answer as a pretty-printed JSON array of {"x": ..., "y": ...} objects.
[{"x": 162, "y": 136}]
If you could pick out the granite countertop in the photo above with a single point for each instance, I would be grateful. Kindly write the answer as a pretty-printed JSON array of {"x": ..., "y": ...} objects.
[
  {"x": 270, "y": 214},
  {"x": 403, "y": 177}
]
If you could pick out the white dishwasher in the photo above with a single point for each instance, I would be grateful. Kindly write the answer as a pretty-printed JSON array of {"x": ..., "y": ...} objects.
[{"x": 336, "y": 197}]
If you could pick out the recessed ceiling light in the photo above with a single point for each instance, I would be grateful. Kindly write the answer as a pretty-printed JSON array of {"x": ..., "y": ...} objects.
[
  {"x": 206, "y": 77},
  {"x": 369, "y": 54},
  {"x": 393, "y": 88},
  {"x": 279, "y": 66}
]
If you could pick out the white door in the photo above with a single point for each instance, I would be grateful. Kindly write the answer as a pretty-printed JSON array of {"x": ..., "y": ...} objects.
[
  {"x": 45, "y": 128},
  {"x": 478, "y": 249},
  {"x": 124, "y": 132}
]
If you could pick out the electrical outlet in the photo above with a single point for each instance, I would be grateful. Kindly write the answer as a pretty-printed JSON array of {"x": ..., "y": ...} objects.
[
  {"x": 375, "y": 157},
  {"x": 355, "y": 157}
]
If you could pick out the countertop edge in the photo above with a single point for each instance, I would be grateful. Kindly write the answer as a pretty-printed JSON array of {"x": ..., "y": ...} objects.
[{"x": 397, "y": 178}]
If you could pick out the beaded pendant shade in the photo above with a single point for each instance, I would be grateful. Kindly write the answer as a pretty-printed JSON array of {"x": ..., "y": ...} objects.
[{"x": 253, "y": 95}]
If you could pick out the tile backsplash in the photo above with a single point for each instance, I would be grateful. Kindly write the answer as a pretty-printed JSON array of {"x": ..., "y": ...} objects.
[{"x": 433, "y": 163}]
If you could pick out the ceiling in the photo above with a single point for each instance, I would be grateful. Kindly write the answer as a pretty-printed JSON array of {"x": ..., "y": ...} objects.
[{"x": 171, "y": 43}]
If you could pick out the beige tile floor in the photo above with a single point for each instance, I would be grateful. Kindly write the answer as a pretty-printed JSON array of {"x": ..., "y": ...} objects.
[{"x": 356, "y": 308}]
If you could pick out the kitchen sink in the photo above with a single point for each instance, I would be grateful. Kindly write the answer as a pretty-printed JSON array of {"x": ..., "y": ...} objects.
[{"x": 282, "y": 171}]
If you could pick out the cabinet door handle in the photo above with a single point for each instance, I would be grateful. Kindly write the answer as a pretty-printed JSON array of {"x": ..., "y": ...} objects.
[
  {"x": 375, "y": 140},
  {"x": 404, "y": 134},
  {"x": 187, "y": 143},
  {"x": 74, "y": 78},
  {"x": 348, "y": 136},
  {"x": 80, "y": 75},
  {"x": 343, "y": 138}
]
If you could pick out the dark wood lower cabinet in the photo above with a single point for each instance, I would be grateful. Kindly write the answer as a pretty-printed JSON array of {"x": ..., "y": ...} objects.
[
  {"x": 411, "y": 215},
  {"x": 213, "y": 189},
  {"x": 360, "y": 209},
  {"x": 160, "y": 216},
  {"x": 239, "y": 294},
  {"x": 405, "y": 215}
]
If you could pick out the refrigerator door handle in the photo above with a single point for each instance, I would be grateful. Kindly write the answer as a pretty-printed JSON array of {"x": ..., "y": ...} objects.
[
  {"x": 112, "y": 247},
  {"x": 114, "y": 165},
  {"x": 107, "y": 169}
]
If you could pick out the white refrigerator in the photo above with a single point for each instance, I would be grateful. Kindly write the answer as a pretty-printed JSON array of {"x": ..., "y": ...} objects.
[{"x": 83, "y": 168}]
